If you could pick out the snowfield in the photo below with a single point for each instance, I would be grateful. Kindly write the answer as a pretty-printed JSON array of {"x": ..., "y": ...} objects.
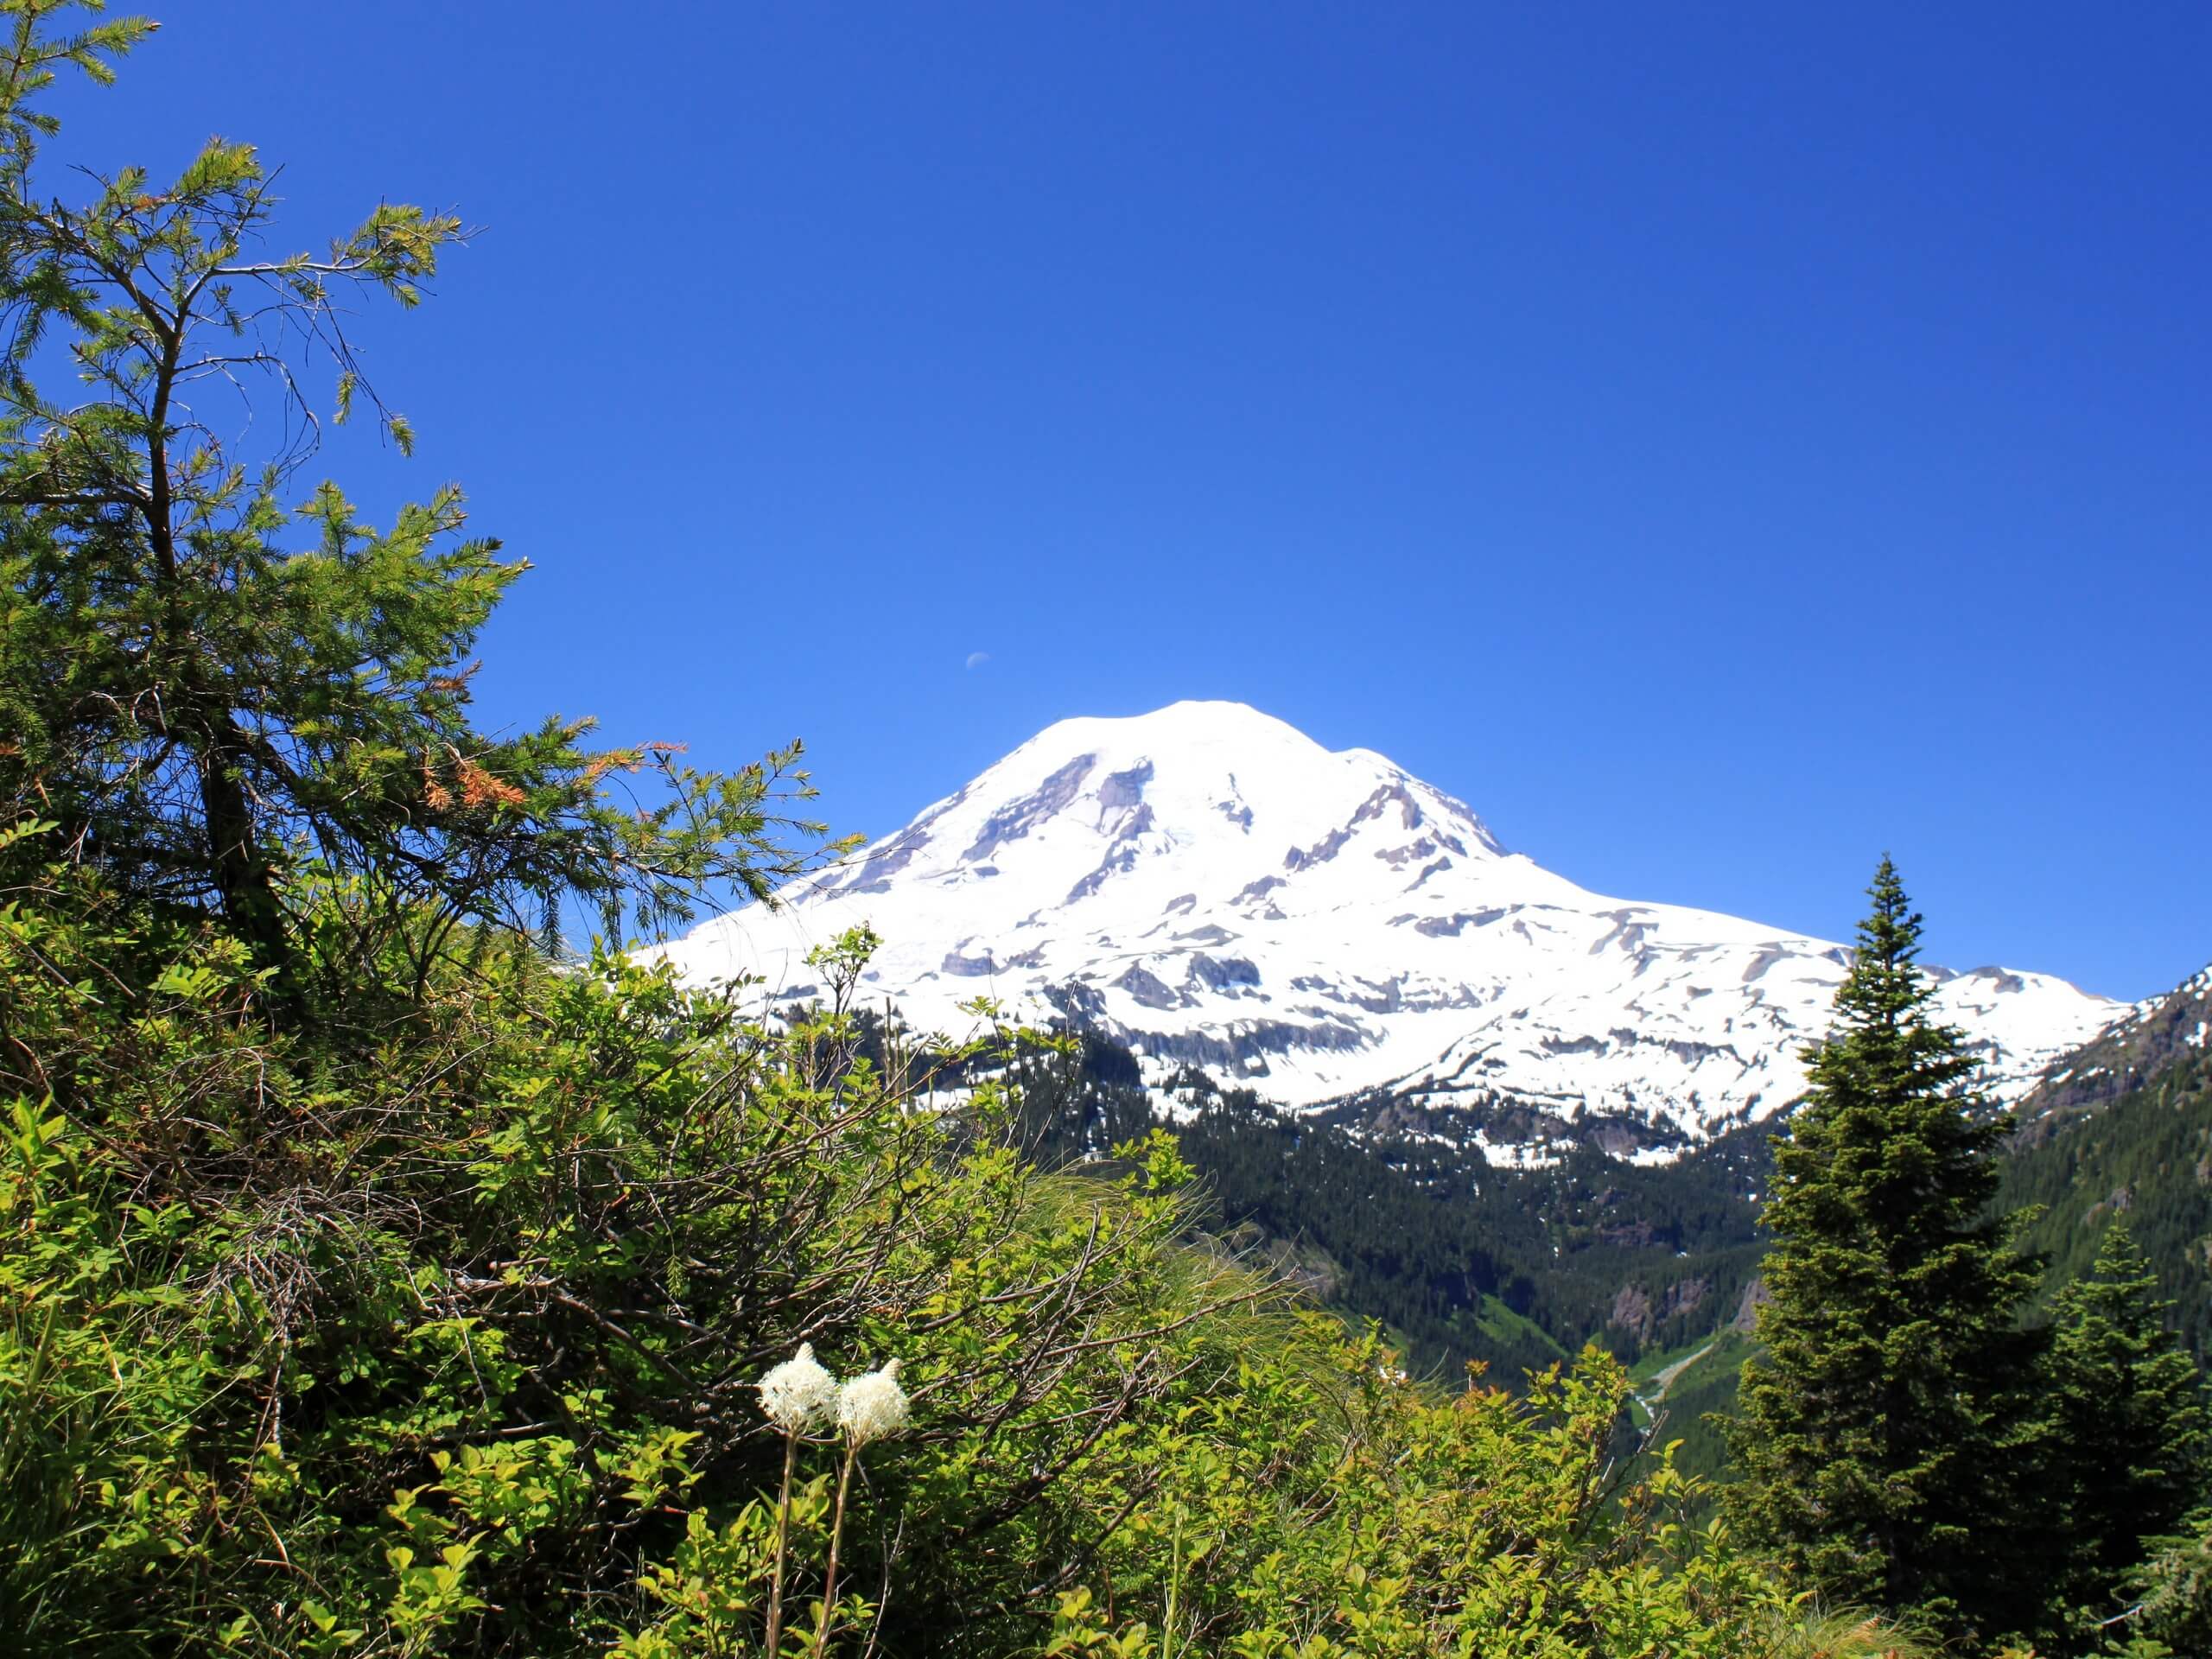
[{"x": 1212, "y": 887}]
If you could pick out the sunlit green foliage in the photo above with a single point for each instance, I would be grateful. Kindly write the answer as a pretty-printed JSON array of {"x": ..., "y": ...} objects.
[{"x": 447, "y": 1345}]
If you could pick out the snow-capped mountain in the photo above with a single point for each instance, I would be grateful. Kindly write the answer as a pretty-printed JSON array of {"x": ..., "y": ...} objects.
[{"x": 1211, "y": 886}]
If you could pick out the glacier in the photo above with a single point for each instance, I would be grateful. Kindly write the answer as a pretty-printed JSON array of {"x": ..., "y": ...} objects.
[{"x": 1211, "y": 887}]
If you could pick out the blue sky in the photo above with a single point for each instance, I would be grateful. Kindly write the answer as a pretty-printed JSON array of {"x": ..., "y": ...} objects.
[{"x": 1719, "y": 442}]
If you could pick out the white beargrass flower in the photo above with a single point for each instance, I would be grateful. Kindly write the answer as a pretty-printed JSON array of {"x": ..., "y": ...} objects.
[
  {"x": 798, "y": 1393},
  {"x": 871, "y": 1407}
]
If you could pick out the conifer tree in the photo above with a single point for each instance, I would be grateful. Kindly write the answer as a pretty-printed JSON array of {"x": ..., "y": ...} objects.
[
  {"x": 215, "y": 676},
  {"x": 1873, "y": 1435},
  {"x": 2129, "y": 1428}
]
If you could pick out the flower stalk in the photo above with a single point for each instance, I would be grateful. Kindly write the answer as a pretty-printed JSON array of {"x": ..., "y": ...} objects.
[
  {"x": 783, "y": 1546},
  {"x": 837, "y": 1538},
  {"x": 796, "y": 1395},
  {"x": 868, "y": 1408}
]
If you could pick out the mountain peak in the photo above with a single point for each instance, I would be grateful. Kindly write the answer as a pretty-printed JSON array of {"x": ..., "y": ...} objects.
[
  {"x": 1209, "y": 885},
  {"x": 1192, "y": 732},
  {"x": 1189, "y": 720}
]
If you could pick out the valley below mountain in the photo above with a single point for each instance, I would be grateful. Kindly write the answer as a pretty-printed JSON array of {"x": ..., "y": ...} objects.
[{"x": 1465, "y": 1259}]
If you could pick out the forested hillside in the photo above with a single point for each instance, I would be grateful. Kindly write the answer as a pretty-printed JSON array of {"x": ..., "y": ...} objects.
[
  {"x": 2084, "y": 1406},
  {"x": 1653, "y": 1263},
  {"x": 1461, "y": 1259},
  {"x": 1513, "y": 1268},
  {"x": 2124, "y": 1128}
]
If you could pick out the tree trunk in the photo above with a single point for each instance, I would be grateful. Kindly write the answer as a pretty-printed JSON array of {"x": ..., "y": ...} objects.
[{"x": 243, "y": 880}]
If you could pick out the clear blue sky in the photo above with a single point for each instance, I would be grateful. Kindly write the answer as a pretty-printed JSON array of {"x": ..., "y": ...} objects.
[{"x": 1719, "y": 442}]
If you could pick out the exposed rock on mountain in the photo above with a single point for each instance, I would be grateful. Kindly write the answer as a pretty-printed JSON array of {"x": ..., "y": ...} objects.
[
  {"x": 2145, "y": 1042},
  {"x": 1215, "y": 889}
]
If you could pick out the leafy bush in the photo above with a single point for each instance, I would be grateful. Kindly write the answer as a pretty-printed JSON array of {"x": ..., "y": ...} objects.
[{"x": 449, "y": 1342}]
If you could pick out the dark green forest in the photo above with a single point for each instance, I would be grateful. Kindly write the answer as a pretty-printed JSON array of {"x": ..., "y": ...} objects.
[
  {"x": 1461, "y": 1259},
  {"x": 2143, "y": 1153}
]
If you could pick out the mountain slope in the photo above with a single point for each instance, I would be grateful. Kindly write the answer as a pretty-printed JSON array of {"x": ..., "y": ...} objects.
[
  {"x": 1213, "y": 889},
  {"x": 2149, "y": 1040},
  {"x": 1457, "y": 1258},
  {"x": 2123, "y": 1127}
]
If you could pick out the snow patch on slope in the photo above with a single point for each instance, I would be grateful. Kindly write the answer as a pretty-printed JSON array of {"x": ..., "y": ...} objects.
[{"x": 1214, "y": 888}]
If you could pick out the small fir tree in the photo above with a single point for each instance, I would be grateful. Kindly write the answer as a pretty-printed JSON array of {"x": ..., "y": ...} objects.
[
  {"x": 2128, "y": 1426},
  {"x": 1874, "y": 1436}
]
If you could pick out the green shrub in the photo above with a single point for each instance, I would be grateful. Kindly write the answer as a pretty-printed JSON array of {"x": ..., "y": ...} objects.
[{"x": 446, "y": 1339}]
